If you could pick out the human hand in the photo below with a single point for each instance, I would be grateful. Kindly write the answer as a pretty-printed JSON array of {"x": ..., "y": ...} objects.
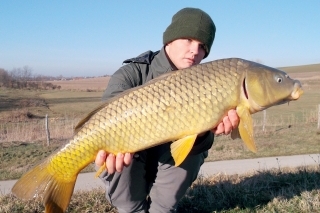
[
  {"x": 113, "y": 163},
  {"x": 228, "y": 123}
]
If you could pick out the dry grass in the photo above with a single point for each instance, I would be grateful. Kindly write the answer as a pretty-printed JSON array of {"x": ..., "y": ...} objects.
[
  {"x": 82, "y": 201},
  {"x": 301, "y": 69},
  {"x": 288, "y": 190},
  {"x": 32, "y": 131}
]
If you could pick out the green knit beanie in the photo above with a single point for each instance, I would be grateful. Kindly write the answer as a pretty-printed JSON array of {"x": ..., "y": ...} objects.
[{"x": 191, "y": 23}]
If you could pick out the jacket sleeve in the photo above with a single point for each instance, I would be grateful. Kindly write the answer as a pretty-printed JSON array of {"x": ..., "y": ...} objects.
[{"x": 124, "y": 78}]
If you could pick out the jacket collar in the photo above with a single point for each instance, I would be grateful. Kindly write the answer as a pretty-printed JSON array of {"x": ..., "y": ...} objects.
[{"x": 161, "y": 64}]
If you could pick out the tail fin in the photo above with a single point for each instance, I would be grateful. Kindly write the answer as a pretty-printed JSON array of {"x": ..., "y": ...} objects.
[{"x": 54, "y": 191}]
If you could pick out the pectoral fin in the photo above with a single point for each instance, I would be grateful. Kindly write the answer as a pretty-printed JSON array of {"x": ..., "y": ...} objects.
[
  {"x": 246, "y": 128},
  {"x": 181, "y": 148},
  {"x": 101, "y": 169}
]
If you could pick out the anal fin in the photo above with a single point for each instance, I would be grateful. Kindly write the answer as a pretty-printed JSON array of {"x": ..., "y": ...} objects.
[{"x": 181, "y": 148}]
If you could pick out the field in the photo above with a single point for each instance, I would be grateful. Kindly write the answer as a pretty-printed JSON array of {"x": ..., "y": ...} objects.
[
  {"x": 85, "y": 84},
  {"x": 285, "y": 130}
]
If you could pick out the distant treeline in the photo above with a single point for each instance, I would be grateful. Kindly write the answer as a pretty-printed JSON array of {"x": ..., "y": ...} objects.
[{"x": 22, "y": 78}]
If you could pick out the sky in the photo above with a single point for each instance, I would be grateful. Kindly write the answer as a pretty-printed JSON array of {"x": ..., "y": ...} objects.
[{"x": 93, "y": 38}]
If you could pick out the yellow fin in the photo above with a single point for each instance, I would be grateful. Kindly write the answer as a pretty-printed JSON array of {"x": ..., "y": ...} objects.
[
  {"x": 101, "y": 169},
  {"x": 246, "y": 128},
  {"x": 181, "y": 148},
  {"x": 38, "y": 182}
]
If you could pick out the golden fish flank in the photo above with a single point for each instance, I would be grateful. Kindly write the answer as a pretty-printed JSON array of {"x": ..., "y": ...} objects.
[{"x": 173, "y": 107}]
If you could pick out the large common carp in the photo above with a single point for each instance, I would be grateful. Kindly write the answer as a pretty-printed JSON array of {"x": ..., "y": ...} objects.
[{"x": 173, "y": 107}]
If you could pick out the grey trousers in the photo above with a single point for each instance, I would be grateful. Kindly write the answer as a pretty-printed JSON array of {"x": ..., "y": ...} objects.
[{"x": 152, "y": 183}]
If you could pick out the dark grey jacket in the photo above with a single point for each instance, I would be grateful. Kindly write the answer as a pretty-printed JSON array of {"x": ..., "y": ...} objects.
[{"x": 138, "y": 71}]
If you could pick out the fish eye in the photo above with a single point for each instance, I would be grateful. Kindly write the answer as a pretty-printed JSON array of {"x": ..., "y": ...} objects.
[{"x": 279, "y": 80}]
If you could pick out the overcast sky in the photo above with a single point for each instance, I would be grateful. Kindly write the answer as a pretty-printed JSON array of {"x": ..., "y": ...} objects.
[{"x": 92, "y": 38}]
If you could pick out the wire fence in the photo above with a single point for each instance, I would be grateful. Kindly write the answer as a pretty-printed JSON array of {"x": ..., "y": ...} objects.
[{"x": 63, "y": 128}]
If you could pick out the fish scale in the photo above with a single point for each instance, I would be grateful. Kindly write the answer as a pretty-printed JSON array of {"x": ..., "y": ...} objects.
[{"x": 176, "y": 106}]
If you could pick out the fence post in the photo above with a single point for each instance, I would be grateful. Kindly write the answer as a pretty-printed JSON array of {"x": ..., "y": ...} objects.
[
  {"x": 264, "y": 120},
  {"x": 47, "y": 130},
  {"x": 319, "y": 116}
]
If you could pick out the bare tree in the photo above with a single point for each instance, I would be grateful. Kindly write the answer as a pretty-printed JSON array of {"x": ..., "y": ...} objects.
[
  {"x": 23, "y": 78},
  {"x": 26, "y": 73},
  {"x": 21, "y": 74},
  {"x": 4, "y": 77}
]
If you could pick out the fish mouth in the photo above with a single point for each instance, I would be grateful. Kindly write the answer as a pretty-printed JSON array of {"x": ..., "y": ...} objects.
[
  {"x": 297, "y": 91},
  {"x": 295, "y": 94}
]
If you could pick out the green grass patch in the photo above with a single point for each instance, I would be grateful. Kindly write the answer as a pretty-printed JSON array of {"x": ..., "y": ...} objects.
[{"x": 17, "y": 158}]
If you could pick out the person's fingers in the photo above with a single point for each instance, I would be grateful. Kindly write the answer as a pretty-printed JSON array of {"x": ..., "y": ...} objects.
[
  {"x": 234, "y": 118},
  {"x": 100, "y": 158},
  {"x": 227, "y": 125},
  {"x": 127, "y": 159},
  {"x": 119, "y": 162},
  {"x": 110, "y": 163},
  {"x": 219, "y": 129}
]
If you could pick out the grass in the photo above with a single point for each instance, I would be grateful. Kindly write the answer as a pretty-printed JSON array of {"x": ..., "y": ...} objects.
[
  {"x": 283, "y": 141},
  {"x": 277, "y": 190},
  {"x": 74, "y": 103},
  {"x": 285, "y": 190},
  {"x": 55, "y": 103},
  {"x": 87, "y": 84},
  {"x": 301, "y": 69},
  {"x": 19, "y": 157}
]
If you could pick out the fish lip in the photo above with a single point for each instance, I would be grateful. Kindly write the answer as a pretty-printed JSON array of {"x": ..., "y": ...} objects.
[{"x": 297, "y": 92}]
